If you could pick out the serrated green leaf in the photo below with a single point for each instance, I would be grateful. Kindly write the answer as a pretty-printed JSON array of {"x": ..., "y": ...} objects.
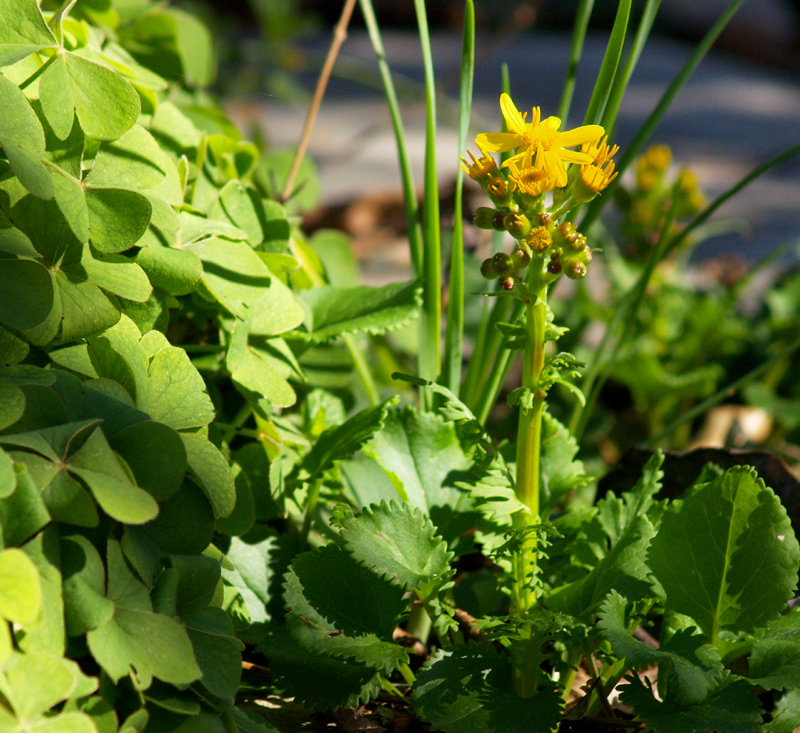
[
  {"x": 398, "y": 542},
  {"x": 732, "y": 708},
  {"x": 775, "y": 659},
  {"x": 623, "y": 569},
  {"x": 23, "y": 31},
  {"x": 327, "y": 588},
  {"x": 336, "y": 311},
  {"x": 341, "y": 441},
  {"x": 786, "y": 716},
  {"x": 689, "y": 669},
  {"x": 562, "y": 472},
  {"x": 319, "y": 682},
  {"x": 471, "y": 689},
  {"x": 727, "y": 556},
  {"x": 422, "y": 455},
  {"x": 616, "y": 514}
]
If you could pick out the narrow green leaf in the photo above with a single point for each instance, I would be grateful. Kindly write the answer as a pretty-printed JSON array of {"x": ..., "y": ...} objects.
[{"x": 336, "y": 311}]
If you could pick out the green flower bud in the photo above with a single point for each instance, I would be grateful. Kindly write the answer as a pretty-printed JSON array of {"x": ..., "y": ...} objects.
[
  {"x": 487, "y": 269},
  {"x": 484, "y": 216},
  {"x": 521, "y": 259},
  {"x": 503, "y": 264},
  {"x": 578, "y": 243},
  {"x": 554, "y": 267},
  {"x": 517, "y": 225},
  {"x": 544, "y": 219},
  {"x": 507, "y": 283},
  {"x": 565, "y": 234},
  {"x": 575, "y": 270},
  {"x": 498, "y": 221}
]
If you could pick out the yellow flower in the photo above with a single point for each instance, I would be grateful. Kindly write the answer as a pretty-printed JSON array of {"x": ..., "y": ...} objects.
[
  {"x": 529, "y": 179},
  {"x": 597, "y": 174},
  {"x": 480, "y": 168},
  {"x": 542, "y": 138}
]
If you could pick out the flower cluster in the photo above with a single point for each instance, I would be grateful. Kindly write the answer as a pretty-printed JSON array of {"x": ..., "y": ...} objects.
[
  {"x": 517, "y": 188},
  {"x": 655, "y": 192}
]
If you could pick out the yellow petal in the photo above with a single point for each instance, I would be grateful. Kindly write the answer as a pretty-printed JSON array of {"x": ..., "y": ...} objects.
[
  {"x": 580, "y": 135},
  {"x": 573, "y": 156},
  {"x": 513, "y": 118},
  {"x": 498, "y": 142}
]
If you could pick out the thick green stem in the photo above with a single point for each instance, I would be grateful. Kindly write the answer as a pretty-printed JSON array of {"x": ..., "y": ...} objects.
[{"x": 529, "y": 438}]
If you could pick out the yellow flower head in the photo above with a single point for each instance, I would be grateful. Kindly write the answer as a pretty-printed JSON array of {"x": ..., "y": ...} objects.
[
  {"x": 597, "y": 174},
  {"x": 529, "y": 179},
  {"x": 542, "y": 138},
  {"x": 480, "y": 168}
]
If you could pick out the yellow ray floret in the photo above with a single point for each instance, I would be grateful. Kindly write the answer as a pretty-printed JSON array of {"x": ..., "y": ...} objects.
[
  {"x": 598, "y": 173},
  {"x": 529, "y": 178},
  {"x": 542, "y": 138}
]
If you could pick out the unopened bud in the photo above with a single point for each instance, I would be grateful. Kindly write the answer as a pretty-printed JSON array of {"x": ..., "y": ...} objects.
[
  {"x": 577, "y": 243},
  {"x": 487, "y": 269},
  {"x": 554, "y": 267},
  {"x": 565, "y": 233},
  {"x": 544, "y": 219},
  {"x": 503, "y": 264},
  {"x": 575, "y": 270},
  {"x": 484, "y": 216},
  {"x": 521, "y": 259},
  {"x": 517, "y": 225},
  {"x": 507, "y": 283},
  {"x": 498, "y": 221}
]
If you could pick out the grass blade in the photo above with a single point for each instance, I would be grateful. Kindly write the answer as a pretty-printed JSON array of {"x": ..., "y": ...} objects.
[
  {"x": 621, "y": 80},
  {"x": 582, "y": 16},
  {"x": 430, "y": 327},
  {"x": 649, "y": 125},
  {"x": 454, "y": 329},
  {"x": 608, "y": 69},
  {"x": 409, "y": 190}
]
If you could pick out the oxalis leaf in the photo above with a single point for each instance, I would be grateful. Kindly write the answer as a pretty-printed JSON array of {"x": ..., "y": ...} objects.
[
  {"x": 335, "y": 311},
  {"x": 396, "y": 541},
  {"x": 470, "y": 689},
  {"x": 727, "y": 556}
]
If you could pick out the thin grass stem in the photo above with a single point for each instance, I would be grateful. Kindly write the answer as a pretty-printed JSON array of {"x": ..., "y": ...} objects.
[
  {"x": 454, "y": 328},
  {"x": 582, "y": 15},
  {"x": 339, "y": 36},
  {"x": 406, "y": 175}
]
